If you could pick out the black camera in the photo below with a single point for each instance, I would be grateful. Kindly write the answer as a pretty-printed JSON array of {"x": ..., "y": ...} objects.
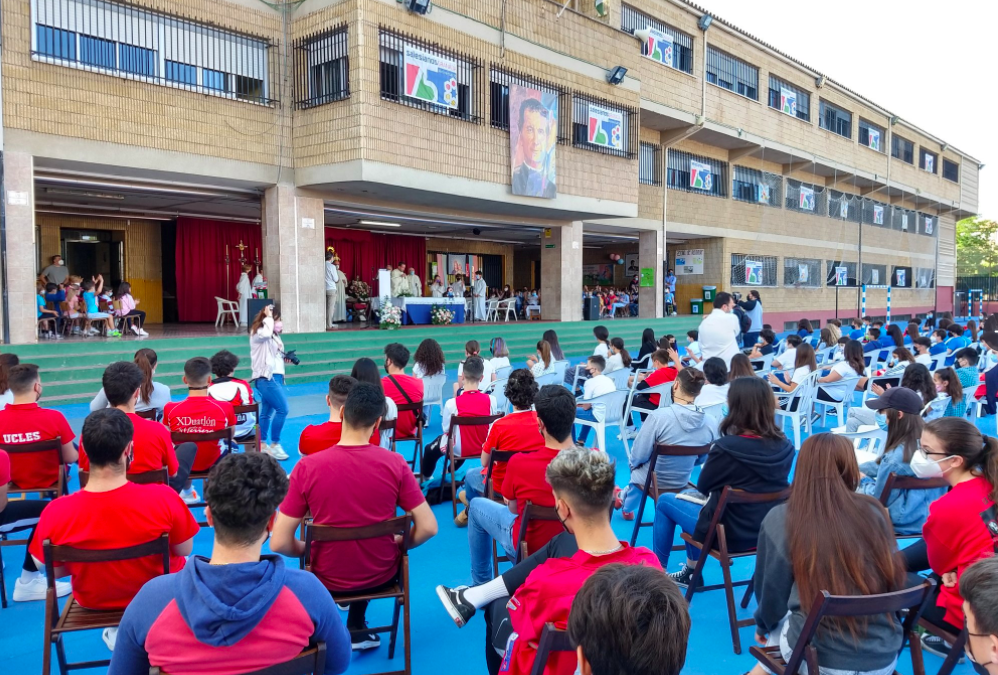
[
  {"x": 292, "y": 358},
  {"x": 736, "y": 295}
]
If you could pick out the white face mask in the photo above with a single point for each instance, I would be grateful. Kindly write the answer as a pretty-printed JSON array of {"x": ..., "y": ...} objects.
[{"x": 923, "y": 467}]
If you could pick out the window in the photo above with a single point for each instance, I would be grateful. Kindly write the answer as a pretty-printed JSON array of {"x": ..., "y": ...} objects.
[
  {"x": 214, "y": 79},
  {"x": 322, "y": 68},
  {"x": 55, "y": 42},
  {"x": 806, "y": 198},
  {"x": 876, "y": 213},
  {"x": 871, "y": 135},
  {"x": 904, "y": 220},
  {"x": 901, "y": 277},
  {"x": 181, "y": 73},
  {"x": 682, "y": 44},
  {"x": 925, "y": 277},
  {"x": 758, "y": 187},
  {"x": 874, "y": 275},
  {"x": 802, "y": 272},
  {"x": 927, "y": 160},
  {"x": 927, "y": 225},
  {"x": 781, "y": 94},
  {"x": 98, "y": 52},
  {"x": 605, "y": 127},
  {"x": 499, "y": 113},
  {"x": 700, "y": 175},
  {"x": 951, "y": 170},
  {"x": 434, "y": 71},
  {"x": 838, "y": 270},
  {"x": 843, "y": 206},
  {"x": 836, "y": 120},
  {"x": 650, "y": 164},
  {"x": 753, "y": 270},
  {"x": 138, "y": 60},
  {"x": 903, "y": 149},
  {"x": 732, "y": 74}
]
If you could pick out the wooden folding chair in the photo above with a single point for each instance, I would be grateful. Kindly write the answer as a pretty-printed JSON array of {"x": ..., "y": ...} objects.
[
  {"x": 179, "y": 437},
  {"x": 69, "y": 322},
  {"x": 450, "y": 462},
  {"x": 896, "y": 482},
  {"x": 150, "y": 414},
  {"x": 529, "y": 513},
  {"x": 716, "y": 536},
  {"x": 75, "y": 618},
  {"x": 826, "y": 605},
  {"x": 553, "y": 640},
  {"x": 156, "y": 476},
  {"x": 401, "y": 525},
  {"x": 124, "y": 322},
  {"x": 495, "y": 456},
  {"x": 251, "y": 444},
  {"x": 416, "y": 437},
  {"x": 49, "y": 322},
  {"x": 651, "y": 488},
  {"x": 312, "y": 660},
  {"x": 53, "y": 445}
]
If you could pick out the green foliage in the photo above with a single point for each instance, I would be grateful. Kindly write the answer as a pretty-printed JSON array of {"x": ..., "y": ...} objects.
[{"x": 977, "y": 247}]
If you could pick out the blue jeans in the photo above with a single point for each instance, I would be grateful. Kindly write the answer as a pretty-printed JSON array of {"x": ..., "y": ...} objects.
[
  {"x": 670, "y": 512},
  {"x": 474, "y": 483},
  {"x": 583, "y": 414},
  {"x": 273, "y": 406},
  {"x": 488, "y": 520}
]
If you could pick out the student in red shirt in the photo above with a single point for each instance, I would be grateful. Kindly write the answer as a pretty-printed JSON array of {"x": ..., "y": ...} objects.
[
  {"x": 524, "y": 481},
  {"x": 225, "y": 387},
  {"x": 198, "y": 414},
  {"x": 381, "y": 482},
  {"x": 962, "y": 526},
  {"x": 662, "y": 374},
  {"x": 318, "y": 437},
  {"x": 401, "y": 388},
  {"x": 111, "y": 512},
  {"x": 153, "y": 448}
]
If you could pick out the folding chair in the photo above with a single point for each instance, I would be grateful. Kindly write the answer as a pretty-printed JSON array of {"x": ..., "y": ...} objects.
[
  {"x": 896, "y": 482},
  {"x": 450, "y": 461},
  {"x": 651, "y": 488},
  {"x": 799, "y": 414},
  {"x": 75, "y": 618},
  {"x": 250, "y": 442},
  {"x": 716, "y": 536},
  {"x": 530, "y": 512},
  {"x": 150, "y": 414},
  {"x": 48, "y": 322},
  {"x": 613, "y": 416},
  {"x": 312, "y": 660},
  {"x": 957, "y": 640},
  {"x": 126, "y": 322},
  {"x": 553, "y": 640},
  {"x": 402, "y": 525},
  {"x": 416, "y": 437},
  {"x": 68, "y": 322},
  {"x": 433, "y": 392},
  {"x": 826, "y": 605},
  {"x": 156, "y": 476},
  {"x": 496, "y": 455},
  {"x": 53, "y": 445},
  {"x": 179, "y": 437}
]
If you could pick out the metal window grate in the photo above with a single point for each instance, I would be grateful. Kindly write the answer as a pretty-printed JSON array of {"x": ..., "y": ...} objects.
[
  {"x": 803, "y": 97},
  {"x": 929, "y": 161},
  {"x": 469, "y": 105},
  {"x": 802, "y": 272},
  {"x": 874, "y": 274},
  {"x": 499, "y": 81},
  {"x": 767, "y": 268},
  {"x": 925, "y": 277},
  {"x": 797, "y": 198},
  {"x": 902, "y": 148},
  {"x": 757, "y": 187},
  {"x": 322, "y": 68},
  {"x": 904, "y": 220},
  {"x": 628, "y": 142},
  {"x": 682, "y": 44},
  {"x": 678, "y": 174},
  {"x": 877, "y": 135},
  {"x": 831, "y": 274},
  {"x": 123, "y": 40},
  {"x": 835, "y": 119},
  {"x": 852, "y": 210},
  {"x": 951, "y": 171},
  {"x": 650, "y": 164},
  {"x": 901, "y": 277},
  {"x": 732, "y": 73},
  {"x": 870, "y": 210}
]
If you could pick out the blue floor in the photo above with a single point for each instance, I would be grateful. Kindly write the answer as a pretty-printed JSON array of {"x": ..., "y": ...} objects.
[{"x": 436, "y": 642}]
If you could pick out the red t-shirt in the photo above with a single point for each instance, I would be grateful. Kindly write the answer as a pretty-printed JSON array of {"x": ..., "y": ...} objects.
[
  {"x": 370, "y": 484},
  {"x": 153, "y": 448},
  {"x": 30, "y": 423},
  {"x": 126, "y": 516},
  {"x": 4, "y": 468},
  {"x": 657, "y": 377},
  {"x": 525, "y": 481},
  {"x": 413, "y": 386},
  {"x": 317, "y": 437},
  {"x": 198, "y": 415},
  {"x": 546, "y": 597},
  {"x": 515, "y": 432}
]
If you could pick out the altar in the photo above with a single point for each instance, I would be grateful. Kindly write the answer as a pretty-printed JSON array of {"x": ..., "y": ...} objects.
[{"x": 417, "y": 310}]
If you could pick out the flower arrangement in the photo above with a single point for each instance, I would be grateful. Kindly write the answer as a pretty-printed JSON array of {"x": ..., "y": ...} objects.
[
  {"x": 441, "y": 316},
  {"x": 391, "y": 316},
  {"x": 359, "y": 290}
]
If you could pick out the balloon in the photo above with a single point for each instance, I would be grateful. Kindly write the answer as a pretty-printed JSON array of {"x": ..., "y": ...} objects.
[{"x": 619, "y": 261}]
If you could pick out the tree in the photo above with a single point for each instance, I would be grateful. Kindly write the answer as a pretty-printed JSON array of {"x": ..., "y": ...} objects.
[{"x": 977, "y": 247}]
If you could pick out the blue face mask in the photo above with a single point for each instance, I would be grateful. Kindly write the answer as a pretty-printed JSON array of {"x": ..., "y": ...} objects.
[{"x": 882, "y": 421}]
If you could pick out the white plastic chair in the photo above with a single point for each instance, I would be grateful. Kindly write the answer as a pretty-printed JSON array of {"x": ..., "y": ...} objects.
[
  {"x": 642, "y": 363},
  {"x": 849, "y": 383},
  {"x": 715, "y": 410},
  {"x": 823, "y": 355},
  {"x": 550, "y": 378},
  {"x": 935, "y": 408},
  {"x": 613, "y": 416},
  {"x": 620, "y": 377},
  {"x": 804, "y": 394},
  {"x": 492, "y": 310},
  {"x": 664, "y": 391},
  {"x": 503, "y": 373},
  {"x": 226, "y": 309},
  {"x": 498, "y": 391},
  {"x": 508, "y": 307},
  {"x": 765, "y": 364},
  {"x": 560, "y": 368},
  {"x": 873, "y": 435},
  {"x": 433, "y": 392},
  {"x": 533, "y": 309}
]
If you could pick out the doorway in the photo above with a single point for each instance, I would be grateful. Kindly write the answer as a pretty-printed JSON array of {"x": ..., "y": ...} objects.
[{"x": 89, "y": 253}]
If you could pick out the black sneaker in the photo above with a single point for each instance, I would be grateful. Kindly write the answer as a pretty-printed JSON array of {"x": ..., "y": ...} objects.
[
  {"x": 460, "y": 610},
  {"x": 683, "y": 577},
  {"x": 938, "y": 646},
  {"x": 364, "y": 641}
]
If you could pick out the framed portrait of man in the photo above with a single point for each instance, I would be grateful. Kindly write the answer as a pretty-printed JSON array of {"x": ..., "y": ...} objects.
[{"x": 533, "y": 138}]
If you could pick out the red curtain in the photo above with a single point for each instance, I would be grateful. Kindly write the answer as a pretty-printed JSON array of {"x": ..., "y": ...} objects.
[
  {"x": 201, "y": 246},
  {"x": 363, "y": 253}
]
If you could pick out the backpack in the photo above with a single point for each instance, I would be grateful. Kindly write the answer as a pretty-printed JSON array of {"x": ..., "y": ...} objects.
[{"x": 744, "y": 322}]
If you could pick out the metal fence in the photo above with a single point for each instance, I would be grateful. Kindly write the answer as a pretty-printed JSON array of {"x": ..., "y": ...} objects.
[
  {"x": 802, "y": 272},
  {"x": 587, "y": 109},
  {"x": 650, "y": 164},
  {"x": 987, "y": 284},
  {"x": 499, "y": 114},
  {"x": 753, "y": 270},
  {"x": 682, "y": 43},
  {"x": 678, "y": 176}
]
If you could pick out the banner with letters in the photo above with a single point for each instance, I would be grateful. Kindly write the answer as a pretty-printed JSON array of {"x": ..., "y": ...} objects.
[
  {"x": 689, "y": 261},
  {"x": 606, "y": 127},
  {"x": 806, "y": 198},
  {"x": 429, "y": 77},
  {"x": 701, "y": 176}
]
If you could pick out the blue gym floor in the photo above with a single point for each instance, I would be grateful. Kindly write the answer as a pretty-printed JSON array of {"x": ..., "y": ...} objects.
[{"x": 437, "y": 644}]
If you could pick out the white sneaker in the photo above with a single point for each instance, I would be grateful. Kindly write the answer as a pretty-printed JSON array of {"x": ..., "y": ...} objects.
[
  {"x": 35, "y": 589},
  {"x": 110, "y": 636},
  {"x": 190, "y": 496},
  {"x": 276, "y": 451},
  {"x": 136, "y": 329},
  {"x": 143, "y": 333}
]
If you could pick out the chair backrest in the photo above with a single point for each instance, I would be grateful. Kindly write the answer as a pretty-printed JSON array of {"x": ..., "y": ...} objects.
[
  {"x": 498, "y": 391},
  {"x": 550, "y": 378},
  {"x": 532, "y": 513},
  {"x": 52, "y": 445},
  {"x": 613, "y": 405},
  {"x": 495, "y": 456},
  {"x": 896, "y": 482},
  {"x": 715, "y": 410},
  {"x": 642, "y": 362},
  {"x": 504, "y": 372},
  {"x": 765, "y": 363},
  {"x": 246, "y": 409},
  {"x": 667, "y": 450},
  {"x": 936, "y": 408},
  {"x": 225, "y": 434},
  {"x": 54, "y": 555},
  {"x": 552, "y": 640},
  {"x": 471, "y": 444},
  {"x": 433, "y": 388},
  {"x": 156, "y": 476},
  {"x": 729, "y": 496},
  {"x": 312, "y": 660},
  {"x": 149, "y": 414},
  {"x": 560, "y": 368},
  {"x": 400, "y": 525},
  {"x": 416, "y": 409},
  {"x": 620, "y": 377}
]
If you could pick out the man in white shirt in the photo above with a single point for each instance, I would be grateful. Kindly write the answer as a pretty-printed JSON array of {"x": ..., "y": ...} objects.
[
  {"x": 415, "y": 285},
  {"x": 479, "y": 291},
  {"x": 719, "y": 330},
  {"x": 332, "y": 276},
  {"x": 597, "y": 385}
]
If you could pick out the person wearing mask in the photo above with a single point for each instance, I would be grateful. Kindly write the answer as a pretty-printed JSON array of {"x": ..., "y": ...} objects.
[
  {"x": 56, "y": 272},
  {"x": 401, "y": 388},
  {"x": 955, "y": 340},
  {"x": 720, "y": 329},
  {"x": 226, "y": 387},
  {"x": 366, "y": 370},
  {"x": 415, "y": 284},
  {"x": 876, "y": 343},
  {"x": 938, "y": 338},
  {"x": 682, "y": 423},
  {"x": 598, "y": 384},
  {"x": 670, "y": 287},
  {"x": 715, "y": 389},
  {"x": 898, "y": 413},
  {"x": 858, "y": 331},
  {"x": 788, "y": 358},
  {"x": 979, "y": 588},
  {"x": 473, "y": 348},
  {"x": 764, "y": 344},
  {"x": 804, "y": 365},
  {"x": 332, "y": 278},
  {"x": 693, "y": 351},
  {"x": 753, "y": 455},
  {"x": 437, "y": 288},
  {"x": 619, "y": 357},
  {"x": 948, "y": 386},
  {"x": 457, "y": 288},
  {"x": 916, "y": 377},
  {"x": 268, "y": 358},
  {"x": 429, "y": 359},
  {"x": 835, "y": 387},
  {"x": 752, "y": 306},
  {"x": 153, "y": 396},
  {"x": 966, "y": 363},
  {"x": 853, "y": 553},
  {"x": 663, "y": 373},
  {"x": 922, "y": 345},
  {"x": 318, "y": 437},
  {"x": 602, "y": 349}
]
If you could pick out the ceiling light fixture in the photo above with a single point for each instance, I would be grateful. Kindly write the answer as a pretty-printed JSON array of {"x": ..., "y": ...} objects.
[{"x": 379, "y": 223}]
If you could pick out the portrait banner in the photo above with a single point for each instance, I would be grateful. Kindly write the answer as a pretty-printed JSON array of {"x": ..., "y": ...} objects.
[{"x": 533, "y": 139}]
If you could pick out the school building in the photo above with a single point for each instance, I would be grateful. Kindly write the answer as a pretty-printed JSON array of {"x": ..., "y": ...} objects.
[{"x": 168, "y": 144}]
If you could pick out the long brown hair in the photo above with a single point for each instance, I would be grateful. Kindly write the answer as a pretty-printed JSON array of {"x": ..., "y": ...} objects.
[
  {"x": 625, "y": 357},
  {"x": 741, "y": 366},
  {"x": 544, "y": 350},
  {"x": 952, "y": 381},
  {"x": 972, "y": 327},
  {"x": 853, "y": 552},
  {"x": 906, "y": 431},
  {"x": 751, "y": 410},
  {"x": 7, "y": 361},
  {"x": 258, "y": 319},
  {"x": 805, "y": 357},
  {"x": 902, "y": 354},
  {"x": 146, "y": 360},
  {"x": 853, "y": 353},
  {"x": 961, "y": 438}
]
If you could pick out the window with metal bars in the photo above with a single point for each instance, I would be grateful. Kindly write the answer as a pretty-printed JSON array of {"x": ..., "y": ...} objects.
[
  {"x": 682, "y": 43},
  {"x": 119, "y": 39},
  {"x": 874, "y": 274},
  {"x": 732, "y": 73},
  {"x": 904, "y": 220},
  {"x": 442, "y": 81},
  {"x": 603, "y": 126},
  {"x": 650, "y": 164},
  {"x": 927, "y": 161},
  {"x": 806, "y": 198},
  {"x": 802, "y": 272},
  {"x": 758, "y": 187},
  {"x": 832, "y": 273},
  {"x": 925, "y": 277},
  {"x": 782, "y": 93},
  {"x": 844, "y": 206},
  {"x": 902, "y": 148},
  {"x": 951, "y": 170},
  {"x": 322, "y": 68},
  {"x": 835, "y": 119},
  {"x": 753, "y": 270},
  {"x": 928, "y": 225},
  {"x": 876, "y": 213},
  {"x": 697, "y": 174},
  {"x": 499, "y": 113},
  {"x": 871, "y": 135},
  {"x": 901, "y": 277}
]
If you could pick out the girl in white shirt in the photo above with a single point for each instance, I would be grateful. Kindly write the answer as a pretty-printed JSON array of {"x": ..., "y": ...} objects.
[
  {"x": 804, "y": 365},
  {"x": 716, "y": 389},
  {"x": 545, "y": 362},
  {"x": 500, "y": 357},
  {"x": 851, "y": 367},
  {"x": 602, "y": 336},
  {"x": 619, "y": 358}
]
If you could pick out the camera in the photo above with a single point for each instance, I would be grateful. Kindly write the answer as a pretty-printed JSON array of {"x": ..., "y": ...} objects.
[
  {"x": 736, "y": 295},
  {"x": 292, "y": 358}
]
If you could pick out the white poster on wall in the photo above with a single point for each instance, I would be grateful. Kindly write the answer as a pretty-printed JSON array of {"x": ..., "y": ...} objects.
[
  {"x": 689, "y": 261},
  {"x": 803, "y": 273},
  {"x": 874, "y": 277},
  {"x": 843, "y": 208}
]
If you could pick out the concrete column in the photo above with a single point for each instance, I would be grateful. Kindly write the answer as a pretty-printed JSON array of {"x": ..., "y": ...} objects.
[
  {"x": 561, "y": 273},
  {"x": 651, "y": 250},
  {"x": 293, "y": 257},
  {"x": 22, "y": 261}
]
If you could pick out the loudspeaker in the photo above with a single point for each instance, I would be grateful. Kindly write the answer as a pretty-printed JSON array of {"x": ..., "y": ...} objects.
[{"x": 590, "y": 309}]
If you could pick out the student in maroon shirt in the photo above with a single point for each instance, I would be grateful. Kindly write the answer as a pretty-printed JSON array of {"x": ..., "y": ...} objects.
[
  {"x": 401, "y": 388},
  {"x": 381, "y": 483}
]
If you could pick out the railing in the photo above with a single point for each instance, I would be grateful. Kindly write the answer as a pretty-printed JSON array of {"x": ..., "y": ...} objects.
[{"x": 322, "y": 68}]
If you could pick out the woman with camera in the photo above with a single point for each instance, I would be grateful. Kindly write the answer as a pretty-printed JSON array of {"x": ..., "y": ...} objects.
[{"x": 268, "y": 358}]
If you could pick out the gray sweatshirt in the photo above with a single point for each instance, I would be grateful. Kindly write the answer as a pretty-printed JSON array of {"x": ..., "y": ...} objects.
[
  {"x": 676, "y": 424},
  {"x": 776, "y": 593}
]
